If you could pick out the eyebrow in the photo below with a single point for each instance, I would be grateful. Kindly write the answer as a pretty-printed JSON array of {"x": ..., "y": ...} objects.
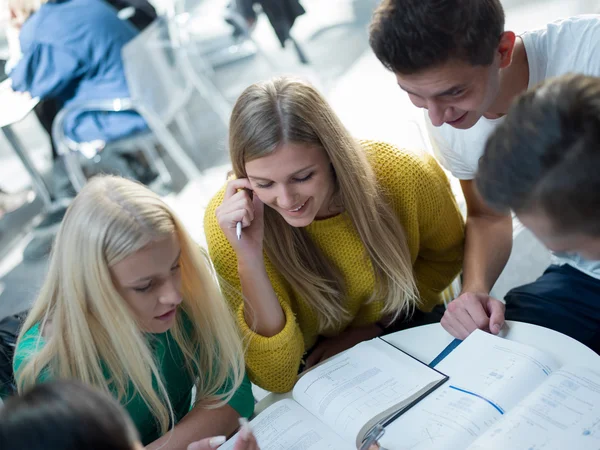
[
  {"x": 152, "y": 276},
  {"x": 291, "y": 175},
  {"x": 437, "y": 94}
]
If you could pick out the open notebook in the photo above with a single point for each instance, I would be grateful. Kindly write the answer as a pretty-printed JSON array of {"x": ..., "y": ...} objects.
[
  {"x": 336, "y": 403},
  {"x": 503, "y": 395}
]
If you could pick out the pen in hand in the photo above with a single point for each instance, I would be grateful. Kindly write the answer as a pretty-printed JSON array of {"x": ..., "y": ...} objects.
[{"x": 238, "y": 230}]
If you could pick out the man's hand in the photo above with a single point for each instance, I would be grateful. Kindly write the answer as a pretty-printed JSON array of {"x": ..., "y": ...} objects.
[
  {"x": 347, "y": 339},
  {"x": 471, "y": 311}
]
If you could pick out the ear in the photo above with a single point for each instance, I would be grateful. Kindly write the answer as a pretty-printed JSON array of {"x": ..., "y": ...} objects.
[{"x": 506, "y": 48}]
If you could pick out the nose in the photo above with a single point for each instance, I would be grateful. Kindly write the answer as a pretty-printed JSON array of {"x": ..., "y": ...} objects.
[
  {"x": 286, "y": 198},
  {"x": 170, "y": 293},
  {"x": 436, "y": 113}
]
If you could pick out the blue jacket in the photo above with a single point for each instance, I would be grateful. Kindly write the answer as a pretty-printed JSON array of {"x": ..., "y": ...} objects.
[{"x": 72, "y": 52}]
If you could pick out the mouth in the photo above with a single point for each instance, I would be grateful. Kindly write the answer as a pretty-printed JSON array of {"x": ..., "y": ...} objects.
[
  {"x": 457, "y": 121},
  {"x": 168, "y": 315},
  {"x": 298, "y": 210}
]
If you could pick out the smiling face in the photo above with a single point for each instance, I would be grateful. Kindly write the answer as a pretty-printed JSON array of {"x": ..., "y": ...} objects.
[
  {"x": 297, "y": 181},
  {"x": 455, "y": 93},
  {"x": 150, "y": 282}
]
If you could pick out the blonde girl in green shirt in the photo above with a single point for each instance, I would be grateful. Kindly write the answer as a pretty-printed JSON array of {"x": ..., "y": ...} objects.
[{"x": 130, "y": 306}]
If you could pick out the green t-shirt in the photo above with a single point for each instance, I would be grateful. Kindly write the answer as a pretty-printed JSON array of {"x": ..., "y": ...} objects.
[{"x": 178, "y": 383}]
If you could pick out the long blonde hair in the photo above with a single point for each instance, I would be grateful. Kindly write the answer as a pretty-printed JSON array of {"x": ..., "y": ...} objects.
[
  {"x": 285, "y": 110},
  {"x": 93, "y": 328}
]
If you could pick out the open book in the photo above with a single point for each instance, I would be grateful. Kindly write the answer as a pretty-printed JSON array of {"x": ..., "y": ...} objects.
[
  {"x": 503, "y": 395},
  {"x": 336, "y": 403}
]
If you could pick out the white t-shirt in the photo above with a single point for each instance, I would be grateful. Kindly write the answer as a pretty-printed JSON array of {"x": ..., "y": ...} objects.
[{"x": 566, "y": 46}]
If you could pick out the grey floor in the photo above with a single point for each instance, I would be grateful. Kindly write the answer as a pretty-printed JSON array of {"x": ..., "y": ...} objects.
[{"x": 334, "y": 37}]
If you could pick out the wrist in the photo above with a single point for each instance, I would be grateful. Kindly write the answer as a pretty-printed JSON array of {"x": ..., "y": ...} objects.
[
  {"x": 475, "y": 289},
  {"x": 251, "y": 263}
]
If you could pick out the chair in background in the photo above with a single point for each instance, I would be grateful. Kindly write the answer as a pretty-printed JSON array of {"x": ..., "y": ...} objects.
[{"x": 158, "y": 91}]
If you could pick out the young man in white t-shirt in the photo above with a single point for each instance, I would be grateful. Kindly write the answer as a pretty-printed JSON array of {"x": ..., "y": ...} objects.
[
  {"x": 543, "y": 163},
  {"x": 455, "y": 59}
]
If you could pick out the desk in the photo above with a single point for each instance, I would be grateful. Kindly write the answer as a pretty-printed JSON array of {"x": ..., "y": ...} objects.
[{"x": 427, "y": 341}]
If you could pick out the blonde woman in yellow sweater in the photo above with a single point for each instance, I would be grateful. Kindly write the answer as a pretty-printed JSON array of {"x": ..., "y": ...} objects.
[{"x": 340, "y": 238}]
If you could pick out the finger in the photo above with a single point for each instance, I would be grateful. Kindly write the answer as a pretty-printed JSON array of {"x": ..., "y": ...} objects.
[
  {"x": 315, "y": 356},
  {"x": 463, "y": 317},
  {"x": 231, "y": 219},
  {"x": 495, "y": 309},
  {"x": 245, "y": 443},
  {"x": 252, "y": 443},
  {"x": 447, "y": 325},
  {"x": 234, "y": 185},
  {"x": 476, "y": 310},
  {"x": 451, "y": 320},
  {"x": 238, "y": 202},
  {"x": 208, "y": 443},
  {"x": 242, "y": 200},
  {"x": 374, "y": 447}
]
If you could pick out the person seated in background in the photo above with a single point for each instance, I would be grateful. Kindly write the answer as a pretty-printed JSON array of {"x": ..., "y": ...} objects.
[
  {"x": 130, "y": 306},
  {"x": 70, "y": 51},
  {"x": 542, "y": 163},
  {"x": 69, "y": 415},
  {"x": 342, "y": 240},
  {"x": 456, "y": 60}
]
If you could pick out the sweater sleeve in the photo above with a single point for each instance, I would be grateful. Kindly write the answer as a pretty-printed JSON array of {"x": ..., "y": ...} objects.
[
  {"x": 420, "y": 194},
  {"x": 272, "y": 362}
]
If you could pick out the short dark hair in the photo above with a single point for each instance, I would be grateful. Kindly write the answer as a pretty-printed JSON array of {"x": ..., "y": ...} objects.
[
  {"x": 65, "y": 415},
  {"x": 545, "y": 156},
  {"x": 409, "y": 36}
]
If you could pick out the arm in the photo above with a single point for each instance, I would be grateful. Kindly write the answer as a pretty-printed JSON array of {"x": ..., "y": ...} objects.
[
  {"x": 263, "y": 313},
  {"x": 274, "y": 350},
  {"x": 441, "y": 233},
  {"x": 44, "y": 70},
  {"x": 198, "y": 424},
  {"x": 201, "y": 422},
  {"x": 488, "y": 242},
  {"x": 487, "y": 248}
]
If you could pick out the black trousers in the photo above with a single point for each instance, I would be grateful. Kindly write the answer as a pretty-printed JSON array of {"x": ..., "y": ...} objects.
[{"x": 563, "y": 299}]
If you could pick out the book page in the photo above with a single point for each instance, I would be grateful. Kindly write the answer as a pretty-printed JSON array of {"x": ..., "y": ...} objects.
[
  {"x": 350, "y": 389},
  {"x": 285, "y": 425},
  {"x": 499, "y": 371},
  {"x": 447, "y": 419},
  {"x": 488, "y": 376},
  {"x": 564, "y": 412}
]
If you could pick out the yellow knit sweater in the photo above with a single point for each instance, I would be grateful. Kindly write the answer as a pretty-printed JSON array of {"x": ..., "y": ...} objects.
[{"x": 420, "y": 195}]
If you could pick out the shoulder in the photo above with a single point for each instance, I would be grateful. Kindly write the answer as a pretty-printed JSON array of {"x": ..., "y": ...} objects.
[
  {"x": 571, "y": 44},
  {"x": 571, "y": 28},
  {"x": 394, "y": 164}
]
